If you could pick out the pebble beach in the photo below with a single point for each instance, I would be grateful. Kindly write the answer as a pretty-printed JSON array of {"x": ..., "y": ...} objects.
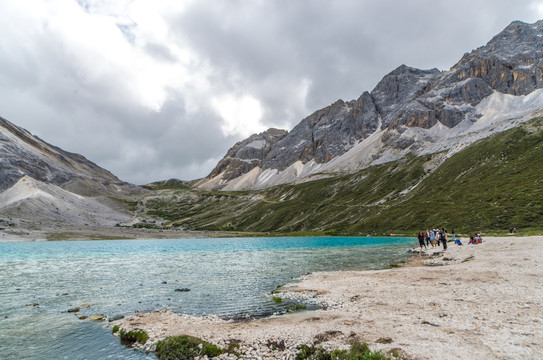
[{"x": 480, "y": 301}]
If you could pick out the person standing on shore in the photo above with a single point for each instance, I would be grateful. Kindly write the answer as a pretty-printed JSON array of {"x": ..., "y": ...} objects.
[
  {"x": 421, "y": 240},
  {"x": 427, "y": 237},
  {"x": 443, "y": 236},
  {"x": 433, "y": 238}
]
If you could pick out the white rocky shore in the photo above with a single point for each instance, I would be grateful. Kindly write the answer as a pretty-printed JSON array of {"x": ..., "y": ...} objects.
[{"x": 481, "y": 301}]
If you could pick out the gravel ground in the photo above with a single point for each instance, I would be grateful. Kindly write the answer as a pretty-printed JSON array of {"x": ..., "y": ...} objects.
[{"x": 481, "y": 301}]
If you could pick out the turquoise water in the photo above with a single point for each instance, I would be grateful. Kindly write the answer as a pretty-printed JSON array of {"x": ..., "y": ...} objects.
[{"x": 231, "y": 278}]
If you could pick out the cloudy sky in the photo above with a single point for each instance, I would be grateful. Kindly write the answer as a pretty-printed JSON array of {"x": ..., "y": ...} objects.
[{"x": 153, "y": 90}]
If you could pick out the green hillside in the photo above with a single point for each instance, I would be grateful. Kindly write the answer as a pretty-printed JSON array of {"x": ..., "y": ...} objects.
[{"x": 495, "y": 184}]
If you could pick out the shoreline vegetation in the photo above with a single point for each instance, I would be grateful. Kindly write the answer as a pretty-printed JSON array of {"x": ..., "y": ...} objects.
[{"x": 472, "y": 301}]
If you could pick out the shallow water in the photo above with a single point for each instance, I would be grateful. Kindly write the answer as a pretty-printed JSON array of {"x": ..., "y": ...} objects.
[{"x": 231, "y": 278}]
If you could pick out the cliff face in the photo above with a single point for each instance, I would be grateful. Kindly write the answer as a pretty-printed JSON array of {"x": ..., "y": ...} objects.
[
  {"x": 511, "y": 63},
  {"x": 406, "y": 98},
  {"x": 247, "y": 154}
]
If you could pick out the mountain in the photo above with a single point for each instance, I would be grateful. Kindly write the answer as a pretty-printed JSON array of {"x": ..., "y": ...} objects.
[
  {"x": 36, "y": 202},
  {"x": 246, "y": 155},
  {"x": 489, "y": 186},
  {"x": 25, "y": 154},
  {"x": 410, "y": 111},
  {"x": 41, "y": 183}
]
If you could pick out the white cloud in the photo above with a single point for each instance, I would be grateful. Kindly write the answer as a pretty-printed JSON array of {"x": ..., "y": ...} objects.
[
  {"x": 241, "y": 115},
  {"x": 537, "y": 6}
]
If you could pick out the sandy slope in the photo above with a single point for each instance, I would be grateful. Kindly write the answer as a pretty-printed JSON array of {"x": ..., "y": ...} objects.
[{"x": 475, "y": 302}]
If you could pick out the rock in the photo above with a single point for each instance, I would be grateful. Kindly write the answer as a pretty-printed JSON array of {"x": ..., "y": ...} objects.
[
  {"x": 182, "y": 289},
  {"x": 386, "y": 340},
  {"x": 429, "y": 323},
  {"x": 83, "y": 317},
  {"x": 73, "y": 310},
  {"x": 116, "y": 317},
  {"x": 85, "y": 305},
  {"x": 98, "y": 317}
]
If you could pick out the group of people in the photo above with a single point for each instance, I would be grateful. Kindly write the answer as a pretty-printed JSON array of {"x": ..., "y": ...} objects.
[
  {"x": 475, "y": 239},
  {"x": 435, "y": 237}
]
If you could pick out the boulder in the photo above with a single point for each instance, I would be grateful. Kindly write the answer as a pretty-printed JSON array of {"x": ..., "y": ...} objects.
[
  {"x": 116, "y": 317},
  {"x": 98, "y": 317}
]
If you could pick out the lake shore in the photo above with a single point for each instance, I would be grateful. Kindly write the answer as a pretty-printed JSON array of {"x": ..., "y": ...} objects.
[
  {"x": 473, "y": 301},
  {"x": 104, "y": 233}
]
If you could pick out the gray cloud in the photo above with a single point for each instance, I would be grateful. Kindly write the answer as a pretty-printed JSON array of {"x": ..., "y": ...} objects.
[
  {"x": 342, "y": 47},
  {"x": 294, "y": 57}
]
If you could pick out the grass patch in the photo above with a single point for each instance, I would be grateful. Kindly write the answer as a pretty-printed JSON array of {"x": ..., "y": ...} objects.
[
  {"x": 168, "y": 185},
  {"x": 146, "y": 225},
  {"x": 277, "y": 299},
  {"x": 115, "y": 329},
  {"x": 296, "y": 307},
  {"x": 130, "y": 337},
  {"x": 358, "y": 351},
  {"x": 186, "y": 347}
]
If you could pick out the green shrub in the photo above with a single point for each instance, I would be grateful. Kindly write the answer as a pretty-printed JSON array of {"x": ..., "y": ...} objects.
[
  {"x": 296, "y": 308},
  {"x": 277, "y": 299},
  {"x": 132, "y": 336},
  {"x": 115, "y": 329},
  {"x": 358, "y": 351},
  {"x": 185, "y": 347}
]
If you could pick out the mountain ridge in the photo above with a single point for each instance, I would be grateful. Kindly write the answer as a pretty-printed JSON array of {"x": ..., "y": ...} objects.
[
  {"x": 43, "y": 186},
  {"x": 26, "y": 154},
  {"x": 511, "y": 63},
  {"x": 489, "y": 186}
]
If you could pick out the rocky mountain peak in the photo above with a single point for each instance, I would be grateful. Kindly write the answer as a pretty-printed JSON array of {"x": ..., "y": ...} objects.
[
  {"x": 247, "y": 154},
  {"x": 399, "y": 87},
  {"x": 511, "y": 63}
]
